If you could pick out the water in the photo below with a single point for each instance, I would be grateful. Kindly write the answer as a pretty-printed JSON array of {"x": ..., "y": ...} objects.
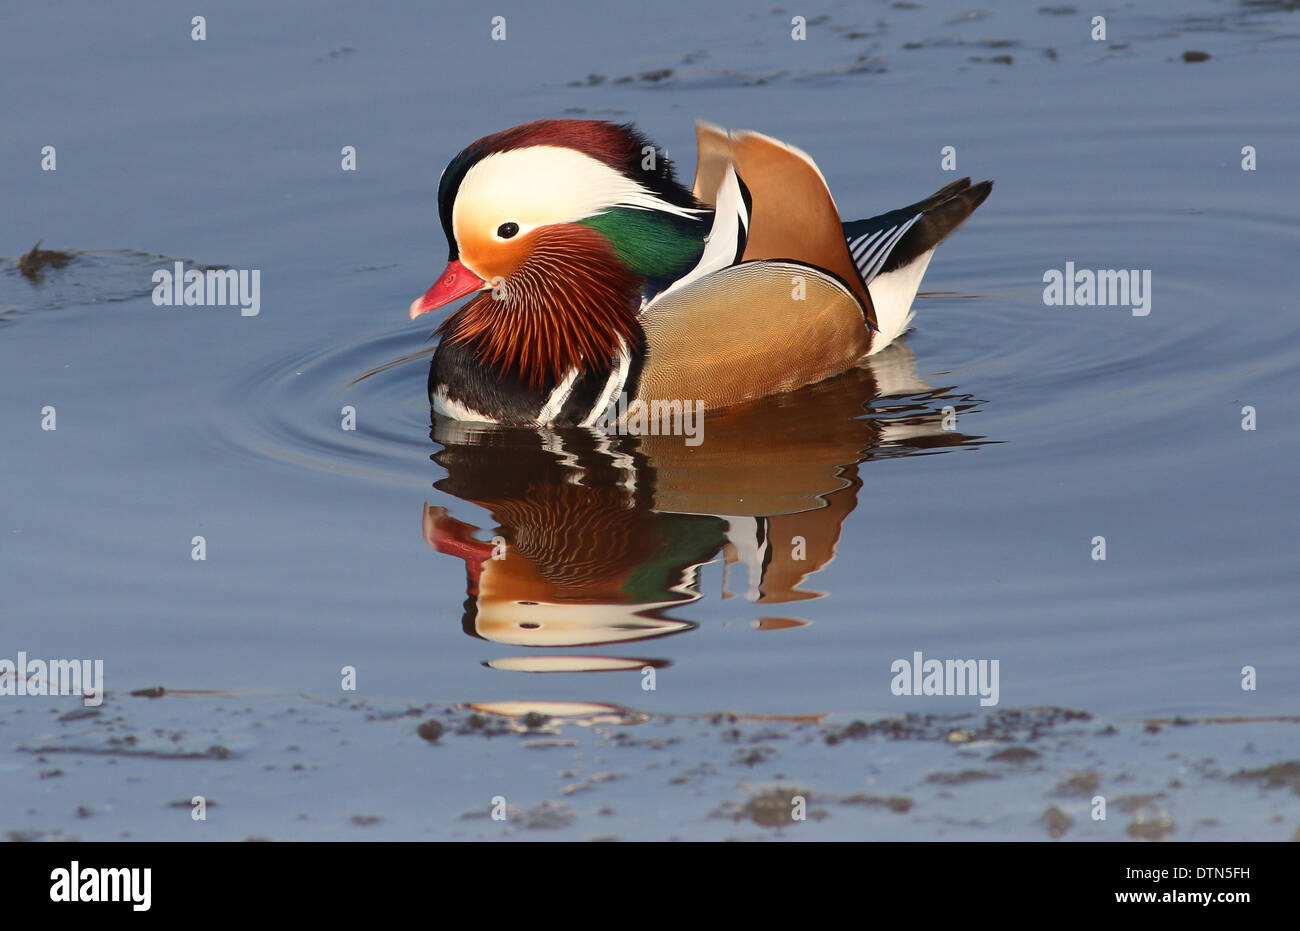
[{"x": 1071, "y": 422}]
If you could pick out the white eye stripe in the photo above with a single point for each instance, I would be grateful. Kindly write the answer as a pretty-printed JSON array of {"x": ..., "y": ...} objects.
[{"x": 541, "y": 185}]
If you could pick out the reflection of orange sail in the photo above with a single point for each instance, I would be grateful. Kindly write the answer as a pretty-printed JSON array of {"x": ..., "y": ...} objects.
[
  {"x": 797, "y": 545},
  {"x": 598, "y": 537}
]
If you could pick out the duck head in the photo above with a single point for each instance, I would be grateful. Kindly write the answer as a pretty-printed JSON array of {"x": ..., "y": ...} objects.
[{"x": 564, "y": 227}]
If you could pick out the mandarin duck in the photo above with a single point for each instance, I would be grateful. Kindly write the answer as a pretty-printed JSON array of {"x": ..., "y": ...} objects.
[{"x": 598, "y": 275}]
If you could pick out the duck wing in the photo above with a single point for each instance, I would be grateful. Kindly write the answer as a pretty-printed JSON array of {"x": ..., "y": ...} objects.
[{"x": 775, "y": 301}]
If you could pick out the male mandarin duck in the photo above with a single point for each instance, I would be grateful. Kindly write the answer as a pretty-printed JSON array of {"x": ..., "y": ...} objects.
[{"x": 600, "y": 275}]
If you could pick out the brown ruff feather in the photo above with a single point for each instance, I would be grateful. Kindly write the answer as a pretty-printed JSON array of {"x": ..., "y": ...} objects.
[
  {"x": 584, "y": 541},
  {"x": 565, "y": 306}
]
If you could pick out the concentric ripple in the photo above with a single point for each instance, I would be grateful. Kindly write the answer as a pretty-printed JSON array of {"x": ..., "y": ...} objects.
[{"x": 297, "y": 410}]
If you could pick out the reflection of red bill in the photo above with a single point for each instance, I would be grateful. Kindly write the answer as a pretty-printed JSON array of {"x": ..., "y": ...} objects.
[
  {"x": 448, "y": 535},
  {"x": 455, "y": 282}
]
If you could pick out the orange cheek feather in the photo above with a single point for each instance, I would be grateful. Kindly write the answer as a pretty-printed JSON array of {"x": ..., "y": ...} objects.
[
  {"x": 491, "y": 258},
  {"x": 576, "y": 304}
]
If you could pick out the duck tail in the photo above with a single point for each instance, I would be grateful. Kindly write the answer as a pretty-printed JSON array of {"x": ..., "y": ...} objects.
[{"x": 891, "y": 251}]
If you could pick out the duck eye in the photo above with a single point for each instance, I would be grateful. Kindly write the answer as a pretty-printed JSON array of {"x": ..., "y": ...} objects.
[{"x": 507, "y": 230}]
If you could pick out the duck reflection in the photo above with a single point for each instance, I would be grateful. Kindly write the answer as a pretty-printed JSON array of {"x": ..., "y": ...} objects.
[{"x": 598, "y": 537}]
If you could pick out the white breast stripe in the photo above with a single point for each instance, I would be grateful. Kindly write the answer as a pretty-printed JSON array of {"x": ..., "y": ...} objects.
[
  {"x": 730, "y": 220},
  {"x": 558, "y": 396},
  {"x": 612, "y": 386},
  {"x": 445, "y": 406}
]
